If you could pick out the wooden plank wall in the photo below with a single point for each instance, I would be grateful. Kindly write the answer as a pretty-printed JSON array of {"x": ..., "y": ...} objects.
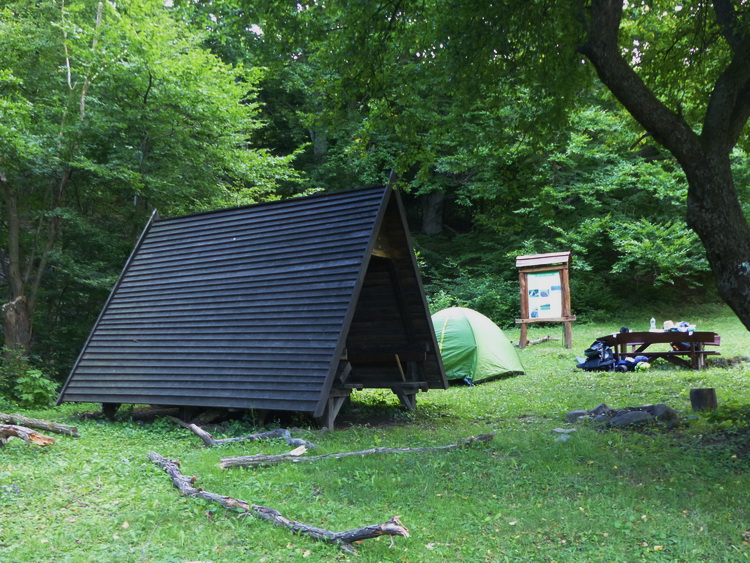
[{"x": 236, "y": 308}]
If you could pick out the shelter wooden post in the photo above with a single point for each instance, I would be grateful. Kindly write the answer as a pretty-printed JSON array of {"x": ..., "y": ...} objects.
[{"x": 545, "y": 293}]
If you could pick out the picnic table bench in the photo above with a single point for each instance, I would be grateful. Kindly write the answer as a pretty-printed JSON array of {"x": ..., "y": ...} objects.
[{"x": 686, "y": 349}]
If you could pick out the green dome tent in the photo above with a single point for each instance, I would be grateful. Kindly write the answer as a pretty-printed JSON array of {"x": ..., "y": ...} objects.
[{"x": 473, "y": 347}]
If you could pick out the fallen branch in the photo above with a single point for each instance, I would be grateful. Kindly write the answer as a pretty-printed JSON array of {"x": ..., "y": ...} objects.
[
  {"x": 345, "y": 539},
  {"x": 8, "y": 431},
  {"x": 210, "y": 441},
  {"x": 263, "y": 459},
  {"x": 46, "y": 425},
  {"x": 538, "y": 340}
]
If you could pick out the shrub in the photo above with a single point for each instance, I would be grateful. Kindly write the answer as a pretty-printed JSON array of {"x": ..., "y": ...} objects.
[
  {"x": 23, "y": 383},
  {"x": 492, "y": 296}
]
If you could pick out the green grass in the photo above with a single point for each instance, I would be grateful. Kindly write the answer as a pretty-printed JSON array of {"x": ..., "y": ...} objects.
[{"x": 608, "y": 496}]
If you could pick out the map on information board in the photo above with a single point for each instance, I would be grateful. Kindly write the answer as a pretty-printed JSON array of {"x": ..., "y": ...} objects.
[{"x": 545, "y": 295}]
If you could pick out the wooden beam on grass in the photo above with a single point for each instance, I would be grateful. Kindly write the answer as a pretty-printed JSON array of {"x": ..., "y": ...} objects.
[
  {"x": 345, "y": 539},
  {"x": 293, "y": 457}
]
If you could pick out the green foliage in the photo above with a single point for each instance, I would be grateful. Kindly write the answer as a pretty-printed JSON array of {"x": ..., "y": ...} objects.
[
  {"x": 619, "y": 210},
  {"x": 469, "y": 271},
  {"x": 659, "y": 253},
  {"x": 34, "y": 389},
  {"x": 493, "y": 107},
  {"x": 109, "y": 111},
  {"x": 24, "y": 384},
  {"x": 493, "y": 297},
  {"x": 730, "y": 415}
]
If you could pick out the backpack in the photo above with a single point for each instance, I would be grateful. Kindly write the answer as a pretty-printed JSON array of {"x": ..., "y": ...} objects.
[{"x": 599, "y": 357}]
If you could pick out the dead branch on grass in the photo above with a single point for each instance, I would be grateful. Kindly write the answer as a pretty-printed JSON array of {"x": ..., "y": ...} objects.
[
  {"x": 345, "y": 539},
  {"x": 538, "y": 340},
  {"x": 8, "y": 431},
  {"x": 210, "y": 441},
  {"x": 46, "y": 425},
  {"x": 292, "y": 457}
]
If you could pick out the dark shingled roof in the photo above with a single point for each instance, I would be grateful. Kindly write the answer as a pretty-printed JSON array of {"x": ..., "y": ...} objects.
[{"x": 288, "y": 305}]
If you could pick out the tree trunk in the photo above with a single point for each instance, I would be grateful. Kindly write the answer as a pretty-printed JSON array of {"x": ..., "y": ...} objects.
[
  {"x": 432, "y": 213},
  {"x": 293, "y": 457},
  {"x": 345, "y": 539},
  {"x": 211, "y": 442},
  {"x": 713, "y": 208},
  {"x": 715, "y": 214},
  {"x": 16, "y": 324},
  {"x": 8, "y": 431},
  {"x": 319, "y": 141},
  {"x": 39, "y": 424}
]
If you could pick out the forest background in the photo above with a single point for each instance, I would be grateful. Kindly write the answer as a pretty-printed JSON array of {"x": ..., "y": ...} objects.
[{"x": 486, "y": 117}]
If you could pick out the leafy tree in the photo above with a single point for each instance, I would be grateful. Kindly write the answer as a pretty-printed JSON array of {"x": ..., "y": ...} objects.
[
  {"x": 681, "y": 71},
  {"x": 684, "y": 74},
  {"x": 109, "y": 110},
  {"x": 417, "y": 87}
]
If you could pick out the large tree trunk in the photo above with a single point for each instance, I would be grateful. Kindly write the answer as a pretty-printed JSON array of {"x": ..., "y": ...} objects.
[
  {"x": 715, "y": 214},
  {"x": 16, "y": 324},
  {"x": 432, "y": 213},
  {"x": 713, "y": 208}
]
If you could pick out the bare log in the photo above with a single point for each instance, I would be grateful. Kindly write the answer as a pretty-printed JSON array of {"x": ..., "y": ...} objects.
[
  {"x": 538, "y": 340},
  {"x": 345, "y": 539},
  {"x": 45, "y": 425},
  {"x": 263, "y": 459},
  {"x": 210, "y": 441},
  {"x": 8, "y": 431}
]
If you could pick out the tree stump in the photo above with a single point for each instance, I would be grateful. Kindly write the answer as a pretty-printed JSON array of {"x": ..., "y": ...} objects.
[{"x": 703, "y": 399}]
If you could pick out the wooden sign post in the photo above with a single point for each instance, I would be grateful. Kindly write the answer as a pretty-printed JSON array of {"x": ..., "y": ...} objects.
[{"x": 545, "y": 293}]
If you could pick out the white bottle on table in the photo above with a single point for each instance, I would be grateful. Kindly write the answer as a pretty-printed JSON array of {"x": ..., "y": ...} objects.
[{"x": 653, "y": 323}]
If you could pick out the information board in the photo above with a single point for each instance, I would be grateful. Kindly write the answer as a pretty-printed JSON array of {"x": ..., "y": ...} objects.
[
  {"x": 545, "y": 292},
  {"x": 545, "y": 295}
]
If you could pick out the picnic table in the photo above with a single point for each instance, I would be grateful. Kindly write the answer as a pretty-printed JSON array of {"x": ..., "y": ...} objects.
[{"x": 685, "y": 349}]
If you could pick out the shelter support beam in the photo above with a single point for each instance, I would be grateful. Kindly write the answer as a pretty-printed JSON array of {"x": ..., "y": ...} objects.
[
  {"x": 336, "y": 400},
  {"x": 110, "y": 410},
  {"x": 408, "y": 398}
]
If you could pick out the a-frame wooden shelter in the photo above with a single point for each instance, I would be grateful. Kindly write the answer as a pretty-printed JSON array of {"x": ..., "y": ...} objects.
[{"x": 288, "y": 305}]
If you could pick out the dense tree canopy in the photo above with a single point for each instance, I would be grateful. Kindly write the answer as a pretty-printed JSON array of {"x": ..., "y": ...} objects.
[
  {"x": 489, "y": 116},
  {"x": 416, "y": 75},
  {"x": 109, "y": 111}
]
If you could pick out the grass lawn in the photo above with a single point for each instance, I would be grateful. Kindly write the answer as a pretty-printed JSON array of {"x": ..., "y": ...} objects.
[{"x": 652, "y": 495}]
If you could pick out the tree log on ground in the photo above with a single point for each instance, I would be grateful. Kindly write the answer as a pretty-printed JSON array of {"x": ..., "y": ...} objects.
[
  {"x": 210, "y": 441},
  {"x": 262, "y": 459},
  {"x": 46, "y": 425},
  {"x": 538, "y": 340},
  {"x": 8, "y": 431},
  {"x": 345, "y": 539}
]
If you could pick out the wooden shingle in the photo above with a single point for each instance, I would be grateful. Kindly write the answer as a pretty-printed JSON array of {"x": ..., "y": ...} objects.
[{"x": 287, "y": 305}]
